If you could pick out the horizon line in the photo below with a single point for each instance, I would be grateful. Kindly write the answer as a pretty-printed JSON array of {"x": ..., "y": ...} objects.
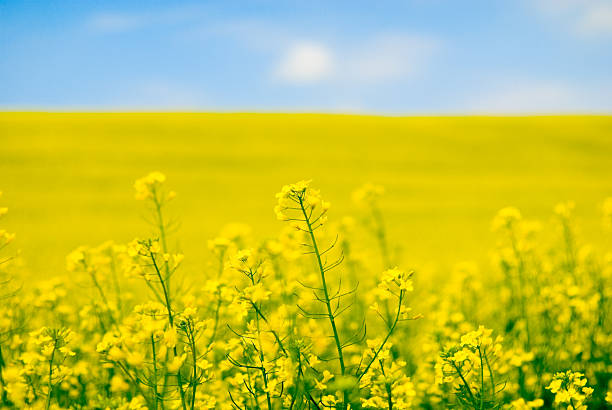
[{"x": 449, "y": 114}]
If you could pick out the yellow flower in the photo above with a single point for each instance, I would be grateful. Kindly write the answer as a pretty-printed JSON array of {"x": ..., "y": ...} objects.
[
  {"x": 6, "y": 236},
  {"x": 118, "y": 384},
  {"x": 564, "y": 209},
  {"x": 506, "y": 218},
  {"x": 460, "y": 356},
  {"x": 204, "y": 364},
  {"x": 115, "y": 354},
  {"x": 257, "y": 293},
  {"x": 321, "y": 384},
  {"x": 329, "y": 401},
  {"x": 570, "y": 387},
  {"x": 170, "y": 337},
  {"x": 76, "y": 259},
  {"x": 155, "y": 247},
  {"x": 294, "y": 197},
  {"x": 135, "y": 359},
  {"x": 145, "y": 186},
  {"x": 175, "y": 364},
  {"x": 521, "y": 404},
  {"x": 396, "y": 277}
]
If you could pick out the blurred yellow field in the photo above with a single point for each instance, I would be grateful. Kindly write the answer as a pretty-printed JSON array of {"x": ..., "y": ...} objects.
[
  {"x": 188, "y": 261},
  {"x": 67, "y": 177}
]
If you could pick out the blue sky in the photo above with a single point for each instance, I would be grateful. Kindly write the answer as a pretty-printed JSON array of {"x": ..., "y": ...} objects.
[{"x": 391, "y": 57}]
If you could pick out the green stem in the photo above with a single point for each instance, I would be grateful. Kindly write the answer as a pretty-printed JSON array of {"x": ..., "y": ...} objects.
[
  {"x": 156, "y": 395},
  {"x": 491, "y": 377},
  {"x": 387, "y": 387},
  {"x": 50, "y": 383},
  {"x": 324, "y": 286},
  {"x": 481, "y": 379},
  {"x": 263, "y": 367},
  {"x": 162, "y": 234},
  {"x": 135, "y": 380},
  {"x": 326, "y": 294},
  {"x": 384, "y": 342},
  {"x": 171, "y": 322},
  {"x": 465, "y": 383},
  {"x": 2, "y": 364},
  {"x": 195, "y": 367}
]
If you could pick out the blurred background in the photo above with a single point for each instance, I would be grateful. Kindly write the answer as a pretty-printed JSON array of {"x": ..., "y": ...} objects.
[{"x": 416, "y": 68}]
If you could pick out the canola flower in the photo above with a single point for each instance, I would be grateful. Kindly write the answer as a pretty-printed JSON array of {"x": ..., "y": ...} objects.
[
  {"x": 322, "y": 316},
  {"x": 570, "y": 388}
]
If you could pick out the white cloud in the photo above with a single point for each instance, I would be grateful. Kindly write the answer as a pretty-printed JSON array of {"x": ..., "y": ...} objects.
[
  {"x": 306, "y": 63},
  {"x": 380, "y": 59},
  {"x": 537, "y": 97},
  {"x": 583, "y": 17},
  {"x": 596, "y": 20}
]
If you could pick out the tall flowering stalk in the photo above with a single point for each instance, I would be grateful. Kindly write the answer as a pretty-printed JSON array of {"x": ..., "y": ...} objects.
[
  {"x": 150, "y": 188},
  {"x": 368, "y": 196},
  {"x": 147, "y": 256},
  {"x": 305, "y": 209}
]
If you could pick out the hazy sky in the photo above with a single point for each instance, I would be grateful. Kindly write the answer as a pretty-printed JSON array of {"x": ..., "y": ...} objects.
[{"x": 420, "y": 56}]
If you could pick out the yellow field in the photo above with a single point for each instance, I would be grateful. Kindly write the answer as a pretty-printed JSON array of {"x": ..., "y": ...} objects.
[
  {"x": 186, "y": 261},
  {"x": 67, "y": 177}
]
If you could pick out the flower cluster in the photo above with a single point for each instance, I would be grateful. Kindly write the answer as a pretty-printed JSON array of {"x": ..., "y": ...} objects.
[
  {"x": 298, "y": 202},
  {"x": 146, "y": 187},
  {"x": 319, "y": 316},
  {"x": 570, "y": 388}
]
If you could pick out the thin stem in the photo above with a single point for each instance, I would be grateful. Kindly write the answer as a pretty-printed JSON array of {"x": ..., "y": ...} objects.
[
  {"x": 162, "y": 233},
  {"x": 263, "y": 367},
  {"x": 465, "y": 383},
  {"x": 154, "y": 372},
  {"x": 2, "y": 364},
  {"x": 50, "y": 383},
  {"x": 382, "y": 345},
  {"x": 171, "y": 321},
  {"x": 195, "y": 367},
  {"x": 387, "y": 387},
  {"x": 326, "y": 294},
  {"x": 490, "y": 375},
  {"x": 481, "y": 379},
  {"x": 135, "y": 380}
]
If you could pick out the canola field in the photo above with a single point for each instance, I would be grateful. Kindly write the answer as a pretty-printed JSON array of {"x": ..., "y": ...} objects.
[{"x": 187, "y": 261}]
